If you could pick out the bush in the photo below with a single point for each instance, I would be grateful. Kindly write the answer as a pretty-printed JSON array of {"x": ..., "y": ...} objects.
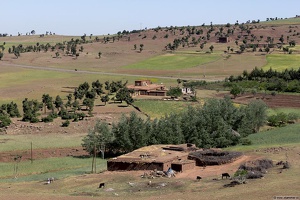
[
  {"x": 4, "y": 121},
  {"x": 254, "y": 175},
  {"x": 292, "y": 116},
  {"x": 245, "y": 141},
  {"x": 47, "y": 119},
  {"x": 240, "y": 172},
  {"x": 34, "y": 120},
  {"x": 65, "y": 123},
  {"x": 53, "y": 115},
  {"x": 257, "y": 165},
  {"x": 286, "y": 165}
]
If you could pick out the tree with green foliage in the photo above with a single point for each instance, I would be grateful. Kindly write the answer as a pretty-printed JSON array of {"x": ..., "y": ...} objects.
[
  {"x": 130, "y": 133},
  {"x": 211, "y": 48},
  {"x": 30, "y": 110},
  {"x": 47, "y": 101},
  {"x": 89, "y": 103},
  {"x": 99, "y": 54},
  {"x": 1, "y": 55},
  {"x": 75, "y": 105},
  {"x": 58, "y": 102},
  {"x": 141, "y": 47},
  {"x": 97, "y": 87},
  {"x": 235, "y": 91},
  {"x": 252, "y": 117},
  {"x": 97, "y": 140},
  {"x": 69, "y": 102},
  {"x": 175, "y": 92},
  {"x": 4, "y": 120},
  {"x": 105, "y": 99},
  {"x": 124, "y": 94}
]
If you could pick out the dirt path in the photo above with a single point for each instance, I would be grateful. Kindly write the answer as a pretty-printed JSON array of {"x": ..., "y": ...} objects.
[{"x": 216, "y": 170}]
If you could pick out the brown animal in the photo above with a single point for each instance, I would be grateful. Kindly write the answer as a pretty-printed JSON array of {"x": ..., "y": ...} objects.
[
  {"x": 226, "y": 175},
  {"x": 198, "y": 178}
]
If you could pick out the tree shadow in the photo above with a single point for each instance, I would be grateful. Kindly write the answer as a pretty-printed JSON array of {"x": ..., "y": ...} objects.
[
  {"x": 82, "y": 156},
  {"x": 122, "y": 106}
]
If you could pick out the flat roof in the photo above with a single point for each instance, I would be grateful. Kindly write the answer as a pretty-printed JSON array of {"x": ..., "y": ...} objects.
[{"x": 154, "y": 153}]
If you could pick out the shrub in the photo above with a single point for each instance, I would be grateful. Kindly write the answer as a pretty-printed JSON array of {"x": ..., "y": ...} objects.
[
  {"x": 53, "y": 115},
  {"x": 257, "y": 165},
  {"x": 240, "y": 172},
  {"x": 34, "y": 120},
  {"x": 286, "y": 165},
  {"x": 4, "y": 121},
  {"x": 65, "y": 123},
  {"x": 254, "y": 175},
  {"x": 245, "y": 141},
  {"x": 292, "y": 116},
  {"x": 47, "y": 119}
]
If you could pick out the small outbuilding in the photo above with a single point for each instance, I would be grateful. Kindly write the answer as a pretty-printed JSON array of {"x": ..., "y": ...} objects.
[{"x": 224, "y": 39}]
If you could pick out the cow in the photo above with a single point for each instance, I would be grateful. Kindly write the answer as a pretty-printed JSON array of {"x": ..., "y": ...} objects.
[
  {"x": 198, "y": 178},
  {"x": 101, "y": 185},
  {"x": 226, "y": 175}
]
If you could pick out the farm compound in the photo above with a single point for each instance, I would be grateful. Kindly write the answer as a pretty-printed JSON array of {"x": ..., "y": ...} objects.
[
  {"x": 145, "y": 87},
  {"x": 163, "y": 157}
]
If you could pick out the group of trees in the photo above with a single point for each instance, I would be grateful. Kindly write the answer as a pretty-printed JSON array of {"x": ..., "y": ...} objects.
[
  {"x": 82, "y": 99},
  {"x": 211, "y": 125},
  {"x": 8, "y": 111},
  {"x": 272, "y": 80}
]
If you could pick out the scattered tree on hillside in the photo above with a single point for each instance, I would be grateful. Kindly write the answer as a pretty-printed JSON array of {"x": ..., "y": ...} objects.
[
  {"x": 236, "y": 90},
  {"x": 47, "y": 101},
  {"x": 105, "y": 99},
  {"x": 30, "y": 110},
  {"x": 1, "y": 55},
  {"x": 141, "y": 47},
  {"x": 97, "y": 140},
  {"x": 124, "y": 94},
  {"x": 58, "y": 102},
  {"x": 99, "y": 54},
  {"x": 211, "y": 48}
]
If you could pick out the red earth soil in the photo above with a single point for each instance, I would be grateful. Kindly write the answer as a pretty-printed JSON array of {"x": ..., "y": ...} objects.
[{"x": 277, "y": 101}]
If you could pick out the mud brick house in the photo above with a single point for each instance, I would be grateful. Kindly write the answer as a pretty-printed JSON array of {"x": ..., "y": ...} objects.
[
  {"x": 178, "y": 157},
  {"x": 145, "y": 87},
  {"x": 160, "y": 157},
  {"x": 224, "y": 39}
]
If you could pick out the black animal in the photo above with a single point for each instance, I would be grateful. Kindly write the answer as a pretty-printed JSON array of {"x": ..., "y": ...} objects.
[
  {"x": 198, "y": 178},
  {"x": 101, "y": 185},
  {"x": 226, "y": 175}
]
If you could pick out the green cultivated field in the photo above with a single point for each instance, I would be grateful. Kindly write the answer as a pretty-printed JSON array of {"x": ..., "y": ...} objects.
[
  {"x": 51, "y": 167},
  {"x": 288, "y": 21},
  {"x": 280, "y": 62},
  {"x": 175, "y": 61},
  {"x": 23, "y": 142},
  {"x": 275, "y": 111},
  {"x": 284, "y": 136},
  {"x": 158, "y": 109}
]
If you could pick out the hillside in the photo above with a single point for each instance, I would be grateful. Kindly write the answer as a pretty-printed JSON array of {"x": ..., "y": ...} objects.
[{"x": 187, "y": 61}]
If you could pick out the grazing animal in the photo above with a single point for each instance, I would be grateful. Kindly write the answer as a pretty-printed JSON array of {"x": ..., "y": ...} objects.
[
  {"x": 226, "y": 175},
  {"x": 198, "y": 178},
  {"x": 101, "y": 185}
]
